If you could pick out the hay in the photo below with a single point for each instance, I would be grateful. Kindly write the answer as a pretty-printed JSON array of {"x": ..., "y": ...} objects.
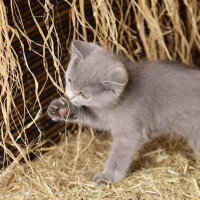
[{"x": 164, "y": 169}]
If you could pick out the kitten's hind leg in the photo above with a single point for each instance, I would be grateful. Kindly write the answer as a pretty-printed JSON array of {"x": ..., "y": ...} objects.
[{"x": 122, "y": 154}]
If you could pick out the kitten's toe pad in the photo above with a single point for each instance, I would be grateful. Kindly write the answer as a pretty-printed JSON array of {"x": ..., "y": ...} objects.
[
  {"x": 63, "y": 112},
  {"x": 62, "y": 101}
]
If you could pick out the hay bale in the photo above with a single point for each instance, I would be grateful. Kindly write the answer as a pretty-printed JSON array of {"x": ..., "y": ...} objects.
[{"x": 33, "y": 38}]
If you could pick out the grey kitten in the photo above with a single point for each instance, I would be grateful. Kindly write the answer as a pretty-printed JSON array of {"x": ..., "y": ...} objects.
[{"x": 129, "y": 100}]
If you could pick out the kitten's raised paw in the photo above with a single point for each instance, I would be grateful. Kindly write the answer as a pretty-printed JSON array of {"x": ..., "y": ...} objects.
[{"x": 58, "y": 109}]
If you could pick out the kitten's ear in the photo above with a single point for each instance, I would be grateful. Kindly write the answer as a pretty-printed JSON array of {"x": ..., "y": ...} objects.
[
  {"x": 82, "y": 49},
  {"x": 117, "y": 79}
]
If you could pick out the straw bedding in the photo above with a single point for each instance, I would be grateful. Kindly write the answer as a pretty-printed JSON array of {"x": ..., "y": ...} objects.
[
  {"x": 164, "y": 169},
  {"x": 40, "y": 159}
]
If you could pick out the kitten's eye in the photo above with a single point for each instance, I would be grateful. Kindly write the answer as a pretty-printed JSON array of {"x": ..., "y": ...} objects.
[
  {"x": 69, "y": 80},
  {"x": 84, "y": 97}
]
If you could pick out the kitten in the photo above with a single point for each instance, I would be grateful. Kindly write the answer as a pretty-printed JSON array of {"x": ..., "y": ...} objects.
[{"x": 129, "y": 100}]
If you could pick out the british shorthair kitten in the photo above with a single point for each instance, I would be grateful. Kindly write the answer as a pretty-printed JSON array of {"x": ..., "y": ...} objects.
[{"x": 129, "y": 100}]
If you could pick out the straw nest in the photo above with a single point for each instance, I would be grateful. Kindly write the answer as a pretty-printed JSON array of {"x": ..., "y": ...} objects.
[{"x": 165, "y": 168}]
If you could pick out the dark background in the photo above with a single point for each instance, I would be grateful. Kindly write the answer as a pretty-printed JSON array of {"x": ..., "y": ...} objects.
[{"x": 49, "y": 130}]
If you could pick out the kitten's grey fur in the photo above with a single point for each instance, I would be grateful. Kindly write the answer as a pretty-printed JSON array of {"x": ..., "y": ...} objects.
[{"x": 129, "y": 100}]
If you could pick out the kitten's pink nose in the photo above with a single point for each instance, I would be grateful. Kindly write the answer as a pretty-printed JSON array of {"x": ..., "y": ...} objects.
[{"x": 63, "y": 112}]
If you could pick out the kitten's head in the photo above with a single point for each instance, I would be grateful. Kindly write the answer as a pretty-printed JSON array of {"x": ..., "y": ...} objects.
[{"x": 95, "y": 77}]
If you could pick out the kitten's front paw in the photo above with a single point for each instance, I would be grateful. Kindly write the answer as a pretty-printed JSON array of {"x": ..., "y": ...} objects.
[
  {"x": 101, "y": 178},
  {"x": 58, "y": 109},
  {"x": 109, "y": 176}
]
